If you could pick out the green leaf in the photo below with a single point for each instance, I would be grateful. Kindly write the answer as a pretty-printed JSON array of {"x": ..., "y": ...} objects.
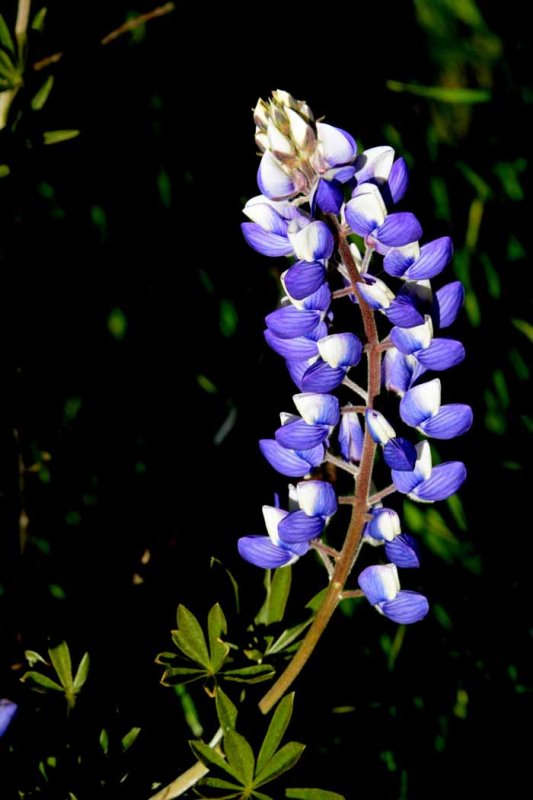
[
  {"x": 82, "y": 673},
  {"x": 40, "y": 98},
  {"x": 32, "y": 657},
  {"x": 4, "y": 170},
  {"x": 189, "y": 709},
  {"x": 261, "y": 796},
  {"x": 186, "y": 673},
  {"x": 54, "y": 137},
  {"x": 276, "y": 730},
  {"x": 61, "y": 662},
  {"x": 226, "y": 710},
  {"x": 443, "y": 94},
  {"x": 216, "y": 628},
  {"x": 215, "y": 562},
  {"x": 312, "y": 794},
  {"x": 42, "y": 680},
  {"x": 287, "y": 637},
  {"x": 210, "y": 758},
  {"x": 254, "y": 674},
  {"x": 218, "y": 783},
  {"x": 166, "y": 658},
  {"x": 316, "y": 601},
  {"x": 5, "y": 36},
  {"x": 240, "y": 756},
  {"x": 129, "y": 739},
  {"x": 280, "y": 762},
  {"x": 524, "y": 327},
  {"x": 38, "y": 20},
  {"x": 190, "y": 638},
  {"x": 277, "y": 594},
  {"x": 103, "y": 740}
]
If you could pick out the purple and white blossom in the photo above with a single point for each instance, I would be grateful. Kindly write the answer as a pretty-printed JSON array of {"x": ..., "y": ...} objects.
[{"x": 315, "y": 192}]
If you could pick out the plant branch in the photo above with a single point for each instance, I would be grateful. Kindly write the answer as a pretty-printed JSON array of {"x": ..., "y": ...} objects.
[
  {"x": 354, "y": 535},
  {"x": 126, "y": 27}
]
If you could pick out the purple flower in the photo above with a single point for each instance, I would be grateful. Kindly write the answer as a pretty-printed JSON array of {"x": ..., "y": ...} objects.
[
  {"x": 8, "y": 709},
  {"x": 381, "y": 585}
]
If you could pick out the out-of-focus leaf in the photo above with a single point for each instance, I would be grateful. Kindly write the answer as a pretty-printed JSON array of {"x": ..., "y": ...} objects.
[
  {"x": 480, "y": 185},
  {"x": 40, "y": 98},
  {"x": 455, "y": 504},
  {"x": 254, "y": 674},
  {"x": 508, "y": 173},
  {"x": 117, "y": 323},
  {"x": 475, "y": 216},
  {"x": 208, "y": 756},
  {"x": 39, "y": 19},
  {"x": 189, "y": 709},
  {"x": 6, "y": 40},
  {"x": 4, "y": 170},
  {"x": 206, "y": 384},
  {"x": 104, "y": 741},
  {"x": 240, "y": 756},
  {"x": 217, "y": 627},
  {"x": 439, "y": 190},
  {"x": 190, "y": 638},
  {"x": 228, "y": 318},
  {"x": 164, "y": 187},
  {"x": 276, "y": 730},
  {"x": 491, "y": 274},
  {"x": 226, "y": 710},
  {"x": 515, "y": 249},
  {"x": 280, "y": 762},
  {"x": 443, "y": 94},
  {"x": 519, "y": 365},
  {"x": 495, "y": 418},
  {"x": 500, "y": 384},
  {"x": 524, "y": 327},
  {"x": 277, "y": 593},
  {"x": 42, "y": 680},
  {"x": 55, "y": 137},
  {"x": 312, "y": 794},
  {"x": 82, "y": 673},
  {"x": 129, "y": 739},
  {"x": 61, "y": 662}
]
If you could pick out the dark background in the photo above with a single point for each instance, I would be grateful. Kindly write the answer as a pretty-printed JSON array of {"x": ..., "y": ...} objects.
[{"x": 131, "y": 316}]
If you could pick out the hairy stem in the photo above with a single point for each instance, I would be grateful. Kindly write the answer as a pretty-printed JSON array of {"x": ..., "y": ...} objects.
[{"x": 352, "y": 542}]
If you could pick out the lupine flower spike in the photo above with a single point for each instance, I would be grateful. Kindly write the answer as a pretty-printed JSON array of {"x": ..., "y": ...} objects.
[{"x": 331, "y": 212}]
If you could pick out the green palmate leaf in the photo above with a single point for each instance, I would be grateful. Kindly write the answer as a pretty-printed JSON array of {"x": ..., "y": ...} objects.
[
  {"x": 166, "y": 658},
  {"x": 240, "y": 756},
  {"x": 277, "y": 593},
  {"x": 40, "y": 98},
  {"x": 226, "y": 710},
  {"x": 174, "y": 675},
  {"x": 276, "y": 730},
  {"x": 54, "y": 137},
  {"x": 254, "y": 674},
  {"x": 287, "y": 637},
  {"x": 5, "y": 37},
  {"x": 280, "y": 762},
  {"x": 61, "y": 662},
  {"x": 82, "y": 673},
  {"x": 211, "y": 758},
  {"x": 42, "y": 680},
  {"x": 190, "y": 638},
  {"x": 129, "y": 739},
  {"x": 312, "y": 794},
  {"x": 444, "y": 94},
  {"x": 216, "y": 628},
  {"x": 218, "y": 783}
]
